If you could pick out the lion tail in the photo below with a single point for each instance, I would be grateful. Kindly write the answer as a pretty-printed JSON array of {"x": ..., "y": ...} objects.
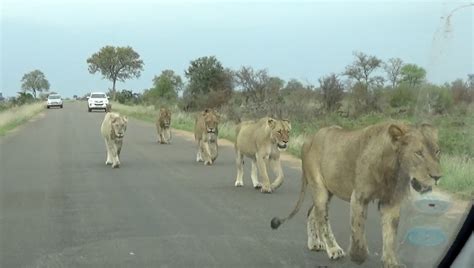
[{"x": 276, "y": 222}]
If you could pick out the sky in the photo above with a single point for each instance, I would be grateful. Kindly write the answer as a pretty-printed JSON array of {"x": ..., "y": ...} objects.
[{"x": 298, "y": 39}]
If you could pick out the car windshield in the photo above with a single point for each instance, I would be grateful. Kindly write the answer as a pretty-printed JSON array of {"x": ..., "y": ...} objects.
[
  {"x": 235, "y": 133},
  {"x": 98, "y": 96}
]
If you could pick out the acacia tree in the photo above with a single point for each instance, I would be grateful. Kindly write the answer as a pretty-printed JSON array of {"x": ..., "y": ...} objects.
[
  {"x": 165, "y": 86},
  {"x": 332, "y": 91},
  {"x": 34, "y": 81},
  {"x": 393, "y": 69},
  {"x": 116, "y": 64},
  {"x": 210, "y": 84},
  {"x": 413, "y": 74},
  {"x": 362, "y": 68}
]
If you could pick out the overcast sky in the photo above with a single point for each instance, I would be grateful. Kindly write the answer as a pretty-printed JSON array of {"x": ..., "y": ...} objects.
[{"x": 292, "y": 39}]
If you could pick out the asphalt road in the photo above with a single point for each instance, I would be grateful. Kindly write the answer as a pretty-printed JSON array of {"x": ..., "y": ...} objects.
[{"x": 61, "y": 206}]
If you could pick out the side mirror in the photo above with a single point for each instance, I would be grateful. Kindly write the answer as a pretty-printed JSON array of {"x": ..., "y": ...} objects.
[{"x": 87, "y": 97}]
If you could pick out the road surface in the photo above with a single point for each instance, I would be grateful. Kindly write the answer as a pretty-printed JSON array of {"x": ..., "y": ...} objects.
[{"x": 61, "y": 206}]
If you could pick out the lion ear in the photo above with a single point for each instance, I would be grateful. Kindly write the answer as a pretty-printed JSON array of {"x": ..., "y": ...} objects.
[
  {"x": 395, "y": 132},
  {"x": 429, "y": 130},
  {"x": 271, "y": 122},
  {"x": 125, "y": 118}
]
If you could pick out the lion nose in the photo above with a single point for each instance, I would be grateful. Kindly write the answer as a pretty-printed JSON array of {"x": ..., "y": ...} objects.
[{"x": 435, "y": 177}]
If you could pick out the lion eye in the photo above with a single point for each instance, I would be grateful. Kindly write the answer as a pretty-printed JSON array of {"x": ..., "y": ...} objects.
[
  {"x": 438, "y": 152},
  {"x": 419, "y": 153}
]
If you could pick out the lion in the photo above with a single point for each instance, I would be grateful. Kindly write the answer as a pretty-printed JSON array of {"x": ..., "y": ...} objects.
[
  {"x": 261, "y": 141},
  {"x": 379, "y": 162},
  {"x": 206, "y": 133},
  {"x": 163, "y": 126},
  {"x": 113, "y": 130}
]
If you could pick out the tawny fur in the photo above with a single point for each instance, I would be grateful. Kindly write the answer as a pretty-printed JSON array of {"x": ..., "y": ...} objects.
[
  {"x": 113, "y": 130},
  {"x": 379, "y": 162},
  {"x": 260, "y": 141},
  {"x": 206, "y": 134},
  {"x": 163, "y": 126}
]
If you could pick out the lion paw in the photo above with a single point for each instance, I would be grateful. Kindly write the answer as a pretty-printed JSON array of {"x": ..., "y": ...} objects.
[
  {"x": 239, "y": 184},
  {"x": 358, "y": 254},
  {"x": 257, "y": 186},
  {"x": 392, "y": 263},
  {"x": 316, "y": 245},
  {"x": 208, "y": 163},
  {"x": 116, "y": 165},
  {"x": 335, "y": 253},
  {"x": 266, "y": 189},
  {"x": 108, "y": 163}
]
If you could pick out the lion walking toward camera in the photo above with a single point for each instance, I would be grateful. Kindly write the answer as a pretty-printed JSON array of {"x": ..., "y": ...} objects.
[
  {"x": 379, "y": 162},
  {"x": 163, "y": 126},
  {"x": 206, "y": 134},
  {"x": 113, "y": 130},
  {"x": 262, "y": 142}
]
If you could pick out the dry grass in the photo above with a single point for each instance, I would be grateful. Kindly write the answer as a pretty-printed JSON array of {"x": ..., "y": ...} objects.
[{"x": 11, "y": 118}]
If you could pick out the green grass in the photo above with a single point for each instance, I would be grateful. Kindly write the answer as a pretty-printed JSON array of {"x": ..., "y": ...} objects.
[
  {"x": 458, "y": 175},
  {"x": 11, "y": 118},
  {"x": 455, "y": 135}
]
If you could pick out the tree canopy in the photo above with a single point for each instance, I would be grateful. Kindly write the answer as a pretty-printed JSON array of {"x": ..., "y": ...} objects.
[
  {"x": 116, "y": 64},
  {"x": 34, "y": 81},
  {"x": 413, "y": 74},
  {"x": 166, "y": 86}
]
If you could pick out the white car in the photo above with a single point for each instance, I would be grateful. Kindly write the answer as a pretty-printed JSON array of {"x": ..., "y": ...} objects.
[
  {"x": 97, "y": 100},
  {"x": 54, "y": 100}
]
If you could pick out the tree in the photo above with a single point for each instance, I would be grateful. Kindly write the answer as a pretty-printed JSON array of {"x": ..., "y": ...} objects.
[
  {"x": 393, "y": 69},
  {"x": 116, "y": 64},
  {"x": 34, "y": 81},
  {"x": 413, "y": 74},
  {"x": 210, "y": 84},
  {"x": 165, "y": 86},
  {"x": 332, "y": 91},
  {"x": 460, "y": 91},
  {"x": 362, "y": 68}
]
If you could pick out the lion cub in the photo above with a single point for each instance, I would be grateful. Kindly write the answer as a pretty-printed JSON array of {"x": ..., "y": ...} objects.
[
  {"x": 113, "y": 129},
  {"x": 163, "y": 126},
  {"x": 261, "y": 141}
]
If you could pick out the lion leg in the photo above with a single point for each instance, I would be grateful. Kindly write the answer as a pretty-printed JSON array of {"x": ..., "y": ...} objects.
[
  {"x": 314, "y": 242},
  {"x": 168, "y": 140},
  {"x": 119, "y": 147},
  {"x": 207, "y": 154},
  {"x": 115, "y": 159},
  {"x": 239, "y": 162},
  {"x": 109, "y": 155},
  {"x": 254, "y": 175},
  {"x": 162, "y": 137},
  {"x": 199, "y": 153},
  {"x": 358, "y": 249},
  {"x": 275, "y": 165},
  {"x": 262, "y": 168},
  {"x": 321, "y": 198},
  {"x": 158, "y": 136},
  {"x": 390, "y": 219}
]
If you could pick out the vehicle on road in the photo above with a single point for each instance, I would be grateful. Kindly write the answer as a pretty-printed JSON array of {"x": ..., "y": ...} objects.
[
  {"x": 54, "y": 100},
  {"x": 98, "y": 100}
]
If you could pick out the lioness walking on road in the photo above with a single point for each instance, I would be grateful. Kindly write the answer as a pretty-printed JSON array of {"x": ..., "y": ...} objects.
[
  {"x": 163, "y": 126},
  {"x": 379, "y": 162},
  {"x": 206, "y": 133},
  {"x": 113, "y": 130},
  {"x": 262, "y": 142}
]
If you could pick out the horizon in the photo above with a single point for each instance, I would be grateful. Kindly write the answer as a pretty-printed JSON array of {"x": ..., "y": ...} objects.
[{"x": 303, "y": 40}]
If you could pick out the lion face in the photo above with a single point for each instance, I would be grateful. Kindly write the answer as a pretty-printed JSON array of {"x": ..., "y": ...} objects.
[
  {"x": 165, "y": 117},
  {"x": 119, "y": 126},
  {"x": 211, "y": 121},
  {"x": 419, "y": 156},
  {"x": 280, "y": 132}
]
